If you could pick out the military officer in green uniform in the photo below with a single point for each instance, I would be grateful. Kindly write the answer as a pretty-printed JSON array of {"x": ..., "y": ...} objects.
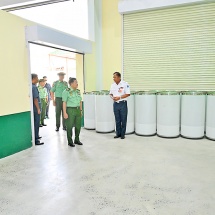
[
  {"x": 56, "y": 94},
  {"x": 72, "y": 111},
  {"x": 44, "y": 99}
]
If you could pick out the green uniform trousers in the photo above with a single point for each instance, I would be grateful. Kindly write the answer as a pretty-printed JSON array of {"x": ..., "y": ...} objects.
[
  {"x": 43, "y": 111},
  {"x": 59, "y": 112},
  {"x": 74, "y": 120}
]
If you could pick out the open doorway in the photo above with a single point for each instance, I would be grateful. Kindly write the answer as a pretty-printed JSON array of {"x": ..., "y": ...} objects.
[{"x": 49, "y": 61}]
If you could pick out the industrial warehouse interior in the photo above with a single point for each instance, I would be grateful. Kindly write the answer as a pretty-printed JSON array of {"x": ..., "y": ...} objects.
[{"x": 107, "y": 107}]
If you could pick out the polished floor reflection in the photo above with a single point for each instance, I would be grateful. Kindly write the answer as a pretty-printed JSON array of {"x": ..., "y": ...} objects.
[{"x": 135, "y": 176}]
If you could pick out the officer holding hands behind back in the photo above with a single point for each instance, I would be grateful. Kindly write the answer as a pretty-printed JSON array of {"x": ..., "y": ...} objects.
[{"x": 72, "y": 111}]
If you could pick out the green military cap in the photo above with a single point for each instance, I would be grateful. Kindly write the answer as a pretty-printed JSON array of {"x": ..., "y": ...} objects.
[{"x": 61, "y": 73}]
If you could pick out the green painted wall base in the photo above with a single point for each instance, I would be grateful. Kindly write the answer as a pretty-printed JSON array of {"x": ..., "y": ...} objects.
[{"x": 15, "y": 133}]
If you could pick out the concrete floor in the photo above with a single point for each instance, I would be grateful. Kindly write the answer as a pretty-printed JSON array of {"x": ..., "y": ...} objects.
[{"x": 135, "y": 176}]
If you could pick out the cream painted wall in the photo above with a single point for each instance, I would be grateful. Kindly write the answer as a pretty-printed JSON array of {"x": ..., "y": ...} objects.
[
  {"x": 111, "y": 41},
  {"x": 93, "y": 62},
  {"x": 14, "y": 64},
  {"x": 79, "y": 72},
  {"x": 14, "y": 87},
  {"x": 90, "y": 70},
  {"x": 108, "y": 54}
]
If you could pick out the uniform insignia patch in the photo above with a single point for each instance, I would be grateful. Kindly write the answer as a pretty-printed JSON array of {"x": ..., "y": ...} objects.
[{"x": 120, "y": 89}]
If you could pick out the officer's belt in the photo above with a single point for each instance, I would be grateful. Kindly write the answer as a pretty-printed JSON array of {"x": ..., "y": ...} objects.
[
  {"x": 74, "y": 107},
  {"x": 120, "y": 101}
]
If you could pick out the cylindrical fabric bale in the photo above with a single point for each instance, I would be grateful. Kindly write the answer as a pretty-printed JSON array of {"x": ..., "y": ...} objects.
[
  {"x": 193, "y": 114},
  {"x": 168, "y": 114},
  {"x": 145, "y": 113},
  {"x": 105, "y": 122},
  {"x": 130, "y": 118},
  {"x": 210, "y": 116},
  {"x": 89, "y": 110}
]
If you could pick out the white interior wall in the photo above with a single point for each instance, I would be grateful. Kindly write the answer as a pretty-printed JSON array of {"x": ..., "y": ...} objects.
[
  {"x": 129, "y": 6},
  {"x": 70, "y": 17}
]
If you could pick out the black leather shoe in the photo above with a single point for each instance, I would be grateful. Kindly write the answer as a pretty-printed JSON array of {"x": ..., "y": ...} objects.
[
  {"x": 64, "y": 128},
  {"x": 41, "y": 126},
  {"x": 123, "y": 137},
  {"x": 39, "y": 137},
  {"x": 71, "y": 144},
  {"x": 117, "y": 137},
  {"x": 44, "y": 125},
  {"x": 78, "y": 143},
  {"x": 57, "y": 129},
  {"x": 39, "y": 143}
]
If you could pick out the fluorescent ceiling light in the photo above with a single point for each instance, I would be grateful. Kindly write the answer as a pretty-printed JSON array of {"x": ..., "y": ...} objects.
[{"x": 29, "y": 4}]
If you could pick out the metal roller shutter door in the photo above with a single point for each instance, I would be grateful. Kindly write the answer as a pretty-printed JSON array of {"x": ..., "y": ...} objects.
[{"x": 171, "y": 48}]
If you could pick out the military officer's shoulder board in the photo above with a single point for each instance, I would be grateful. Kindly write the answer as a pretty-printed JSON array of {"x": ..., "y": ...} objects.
[
  {"x": 78, "y": 92},
  {"x": 54, "y": 83}
]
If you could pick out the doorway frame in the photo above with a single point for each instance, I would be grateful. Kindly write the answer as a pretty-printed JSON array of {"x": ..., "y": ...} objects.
[
  {"x": 52, "y": 38},
  {"x": 30, "y": 79}
]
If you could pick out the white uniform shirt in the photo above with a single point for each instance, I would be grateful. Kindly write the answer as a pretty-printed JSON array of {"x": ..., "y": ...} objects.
[{"x": 120, "y": 89}]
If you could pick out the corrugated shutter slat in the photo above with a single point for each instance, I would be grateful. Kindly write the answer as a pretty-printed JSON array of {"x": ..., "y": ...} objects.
[{"x": 171, "y": 48}]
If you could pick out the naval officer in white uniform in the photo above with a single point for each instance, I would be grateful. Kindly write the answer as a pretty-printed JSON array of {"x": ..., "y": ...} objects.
[{"x": 119, "y": 92}]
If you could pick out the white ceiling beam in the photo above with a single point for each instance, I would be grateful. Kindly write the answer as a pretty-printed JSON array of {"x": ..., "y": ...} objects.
[
  {"x": 131, "y": 6},
  {"x": 44, "y": 35}
]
